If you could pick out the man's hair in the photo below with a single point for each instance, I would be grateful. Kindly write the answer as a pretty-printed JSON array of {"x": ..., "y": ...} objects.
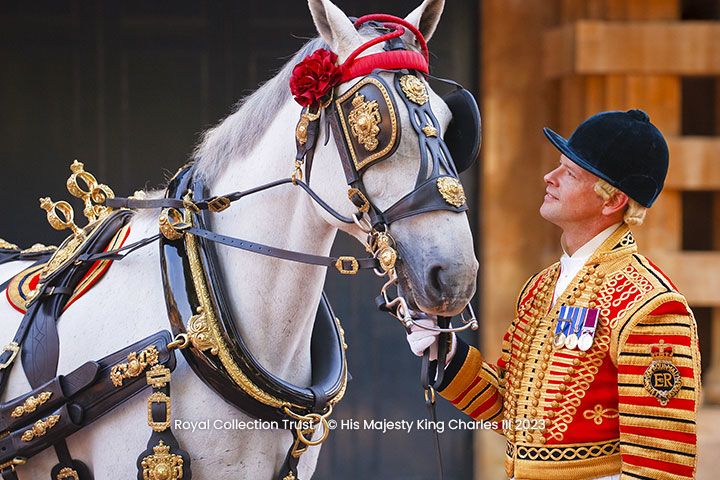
[{"x": 634, "y": 212}]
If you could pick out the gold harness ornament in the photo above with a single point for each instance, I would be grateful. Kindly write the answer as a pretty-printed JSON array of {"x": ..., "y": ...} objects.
[
  {"x": 414, "y": 89},
  {"x": 451, "y": 190},
  {"x": 364, "y": 120},
  {"x": 67, "y": 473},
  {"x": 136, "y": 364},
  {"x": 162, "y": 465},
  {"x": 40, "y": 428},
  {"x": 31, "y": 404}
]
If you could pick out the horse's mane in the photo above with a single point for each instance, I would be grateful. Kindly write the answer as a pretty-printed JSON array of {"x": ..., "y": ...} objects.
[{"x": 238, "y": 133}]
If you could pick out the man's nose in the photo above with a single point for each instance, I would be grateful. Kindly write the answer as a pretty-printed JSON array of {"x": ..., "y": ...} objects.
[{"x": 550, "y": 177}]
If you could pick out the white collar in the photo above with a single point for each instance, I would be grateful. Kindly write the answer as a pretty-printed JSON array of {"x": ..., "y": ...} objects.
[{"x": 584, "y": 252}]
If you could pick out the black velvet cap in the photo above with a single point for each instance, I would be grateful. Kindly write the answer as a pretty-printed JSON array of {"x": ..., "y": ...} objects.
[{"x": 622, "y": 148}]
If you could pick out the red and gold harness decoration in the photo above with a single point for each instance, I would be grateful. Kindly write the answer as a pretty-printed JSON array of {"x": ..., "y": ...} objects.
[
  {"x": 25, "y": 282},
  {"x": 626, "y": 405}
]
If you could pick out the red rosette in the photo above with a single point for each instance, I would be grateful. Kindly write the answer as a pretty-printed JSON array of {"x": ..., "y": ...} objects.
[{"x": 314, "y": 77}]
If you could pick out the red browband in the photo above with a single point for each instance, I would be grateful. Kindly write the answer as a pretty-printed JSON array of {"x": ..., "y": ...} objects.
[{"x": 316, "y": 76}]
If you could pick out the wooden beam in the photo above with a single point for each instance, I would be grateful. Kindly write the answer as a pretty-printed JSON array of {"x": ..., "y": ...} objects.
[
  {"x": 696, "y": 274},
  {"x": 591, "y": 47},
  {"x": 694, "y": 163}
]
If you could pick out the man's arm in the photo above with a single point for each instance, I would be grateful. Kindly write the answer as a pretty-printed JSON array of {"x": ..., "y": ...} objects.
[{"x": 659, "y": 390}]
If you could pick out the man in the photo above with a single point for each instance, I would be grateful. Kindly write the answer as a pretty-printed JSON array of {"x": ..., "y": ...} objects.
[{"x": 600, "y": 370}]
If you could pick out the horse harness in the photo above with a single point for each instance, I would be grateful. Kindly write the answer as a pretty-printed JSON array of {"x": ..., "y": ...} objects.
[{"x": 366, "y": 125}]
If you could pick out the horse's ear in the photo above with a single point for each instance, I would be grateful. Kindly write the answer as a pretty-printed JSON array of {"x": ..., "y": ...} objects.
[
  {"x": 426, "y": 17},
  {"x": 334, "y": 27}
]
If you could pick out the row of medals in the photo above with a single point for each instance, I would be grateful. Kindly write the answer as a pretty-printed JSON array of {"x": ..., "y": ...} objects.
[{"x": 576, "y": 326}]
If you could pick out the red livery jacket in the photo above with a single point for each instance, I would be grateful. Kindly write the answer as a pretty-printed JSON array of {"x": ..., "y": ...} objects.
[{"x": 627, "y": 404}]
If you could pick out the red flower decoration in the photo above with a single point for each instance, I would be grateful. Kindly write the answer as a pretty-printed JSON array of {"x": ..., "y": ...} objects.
[{"x": 314, "y": 77}]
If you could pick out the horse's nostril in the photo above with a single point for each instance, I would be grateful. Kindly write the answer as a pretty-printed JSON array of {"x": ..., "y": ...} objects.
[{"x": 435, "y": 278}]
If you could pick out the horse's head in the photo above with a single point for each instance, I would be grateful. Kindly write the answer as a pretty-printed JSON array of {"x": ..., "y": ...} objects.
[{"x": 388, "y": 127}]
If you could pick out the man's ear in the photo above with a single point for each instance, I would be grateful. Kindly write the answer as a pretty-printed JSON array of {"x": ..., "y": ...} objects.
[{"x": 615, "y": 203}]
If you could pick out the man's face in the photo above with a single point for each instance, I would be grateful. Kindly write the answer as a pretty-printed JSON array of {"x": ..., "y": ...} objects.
[{"x": 570, "y": 198}]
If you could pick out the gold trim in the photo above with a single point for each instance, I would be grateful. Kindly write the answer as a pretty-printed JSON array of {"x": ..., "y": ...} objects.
[
  {"x": 40, "y": 428},
  {"x": 172, "y": 224},
  {"x": 30, "y": 404},
  {"x": 393, "y": 121},
  {"x": 7, "y": 245},
  {"x": 136, "y": 365},
  {"x": 451, "y": 190},
  {"x": 162, "y": 465},
  {"x": 598, "y": 413},
  {"x": 364, "y": 121},
  {"x": 414, "y": 89},
  {"x": 39, "y": 248}
]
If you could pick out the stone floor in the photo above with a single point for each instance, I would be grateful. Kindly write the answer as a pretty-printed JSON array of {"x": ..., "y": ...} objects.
[{"x": 708, "y": 443}]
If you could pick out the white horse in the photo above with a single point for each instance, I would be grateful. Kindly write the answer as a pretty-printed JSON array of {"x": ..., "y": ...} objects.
[{"x": 275, "y": 300}]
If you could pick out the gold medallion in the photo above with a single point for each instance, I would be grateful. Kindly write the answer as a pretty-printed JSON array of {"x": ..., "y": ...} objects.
[
  {"x": 414, "y": 89},
  {"x": 451, "y": 190},
  {"x": 364, "y": 122},
  {"x": 162, "y": 465}
]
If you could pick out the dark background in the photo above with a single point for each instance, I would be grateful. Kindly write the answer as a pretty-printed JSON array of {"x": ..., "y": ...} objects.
[{"x": 127, "y": 88}]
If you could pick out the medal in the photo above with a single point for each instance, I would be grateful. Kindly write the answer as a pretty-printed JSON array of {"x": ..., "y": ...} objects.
[
  {"x": 577, "y": 318},
  {"x": 562, "y": 326},
  {"x": 588, "y": 330}
]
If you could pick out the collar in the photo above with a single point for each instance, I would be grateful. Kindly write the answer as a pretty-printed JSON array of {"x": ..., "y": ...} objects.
[{"x": 583, "y": 253}]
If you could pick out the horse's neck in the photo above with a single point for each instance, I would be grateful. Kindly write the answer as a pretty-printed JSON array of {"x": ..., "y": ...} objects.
[{"x": 273, "y": 301}]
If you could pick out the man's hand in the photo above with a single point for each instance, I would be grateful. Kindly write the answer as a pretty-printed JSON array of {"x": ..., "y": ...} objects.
[{"x": 421, "y": 339}]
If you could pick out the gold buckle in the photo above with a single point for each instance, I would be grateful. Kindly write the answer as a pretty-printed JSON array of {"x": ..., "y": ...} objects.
[
  {"x": 354, "y": 265},
  {"x": 218, "y": 204},
  {"x": 10, "y": 347},
  {"x": 354, "y": 192},
  {"x": 13, "y": 462},
  {"x": 159, "y": 397}
]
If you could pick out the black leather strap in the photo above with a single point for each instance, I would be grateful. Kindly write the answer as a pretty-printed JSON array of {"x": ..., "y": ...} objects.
[{"x": 362, "y": 263}]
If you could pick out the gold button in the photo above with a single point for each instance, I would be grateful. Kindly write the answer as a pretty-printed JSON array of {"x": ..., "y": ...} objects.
[
  {"x": 529, "y": 438},
  {"x": 533, "y": 412},
  {"x": 538, "y": 384},
  {"x": 541, "y": 375},
  {"x": 526, "y": 348},
  {"x": 558, "y": 396},
  {"x": 596, "y": 289},
  {"x": 570, "y": 370},
  {"x": 516, "y": 384},
  {"x": 523, "y": 356},
  {"x": 562, "y": 387},
  {"x": 555, "y": 404},
  {"x": 598, "y": 281},
  {"x": 567, "y": 378},
  {"x": 546, "y": 356},
  {"x": 593, "y": 296},
  {"x": 581, "y": 286},
  {"x": 551, "y": 415},
  {"x": 548, "y": 348},
  {"x": 601, "y": 275},
  {"x": 592, "y": 304},
  {"x": 576, "y": 362},
  {"x": 585, "y": 278},
  {"x": 582, "y": 354},
  {"x": 542, "y": 440},
  {"x": 577, "y": 294},
  {"x": 535, "y": 402},
  {"x": 544, "y": 365},
  {"x": 536, "y": 394},
  {"x": 571, "y": 301}
]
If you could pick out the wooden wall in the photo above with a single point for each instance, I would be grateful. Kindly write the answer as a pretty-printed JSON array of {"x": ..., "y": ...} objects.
[{"x": 555, "y": 63}]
